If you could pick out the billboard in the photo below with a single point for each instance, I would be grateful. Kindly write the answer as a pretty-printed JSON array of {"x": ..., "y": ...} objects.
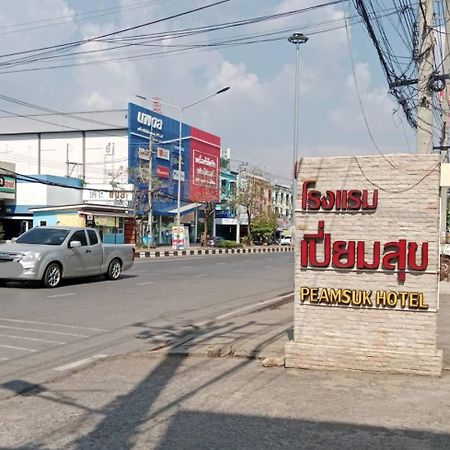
[{"x": 200, "y": 158}]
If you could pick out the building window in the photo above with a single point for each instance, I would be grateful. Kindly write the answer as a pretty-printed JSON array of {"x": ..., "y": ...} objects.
[{"x": 43, "y": 223}]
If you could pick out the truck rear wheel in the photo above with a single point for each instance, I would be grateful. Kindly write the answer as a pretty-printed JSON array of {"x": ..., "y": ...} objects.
[
  {"x": 114, "y": 269},
  {"x": 52, "y": 275}
]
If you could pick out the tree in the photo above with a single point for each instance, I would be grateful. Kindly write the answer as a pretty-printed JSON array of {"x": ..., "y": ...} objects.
[
  {"x": 208, "y": 200},
  {"x": 2, "y": 232},
  {"x": 254, "y": 195},
  {"x": 264, "y": 227}
]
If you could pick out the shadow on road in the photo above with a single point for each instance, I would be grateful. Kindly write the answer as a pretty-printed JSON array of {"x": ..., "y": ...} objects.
[{"x": 122, "y": 419}]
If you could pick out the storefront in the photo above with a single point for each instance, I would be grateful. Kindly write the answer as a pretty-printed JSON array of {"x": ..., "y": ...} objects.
[
  {"x": 7, "y": 193},
  {"x": 110, "y": 221}
]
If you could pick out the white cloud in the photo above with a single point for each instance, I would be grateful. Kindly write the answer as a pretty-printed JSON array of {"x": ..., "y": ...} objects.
[{"x": 255, "y": 117}]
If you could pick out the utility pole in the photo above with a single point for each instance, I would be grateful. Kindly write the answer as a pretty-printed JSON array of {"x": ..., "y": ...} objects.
[
  {"x": 424, "y": 142},
  {"x": 445, "y": 110},
  {"x": 150, "y": 191},
  {"x": 67, "y": 161}
]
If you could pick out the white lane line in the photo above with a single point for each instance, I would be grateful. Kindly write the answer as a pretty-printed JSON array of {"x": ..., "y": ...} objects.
[
  {"x": 23, "y": 349},
  {"x": 43, "y": 331},
  {"x": 81, "y": 362},
  {"x": 32, "y": 339},
  {"x": 268, "y": 267},
  {"x": 220, "y": 263},
  {"x": 4, "y": 359},
  {"x": 200, "y": 275},
  {"x": 187, "y": 267},
  {"x": 145, "y": 283},
  {"x": 238, "y": 270},
  {"x": 50, "y": 324},
  {"x": 67, "y": 294}
]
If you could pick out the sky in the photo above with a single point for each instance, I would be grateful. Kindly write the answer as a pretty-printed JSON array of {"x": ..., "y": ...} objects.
[{"x": 255, "y": 118}]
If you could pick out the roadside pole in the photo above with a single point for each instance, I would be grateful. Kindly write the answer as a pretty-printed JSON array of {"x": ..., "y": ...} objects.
[
  {"x": 150, "y": 191},
  {"x": 445, "y": 108},
  {"x": 424, "y": 137}
]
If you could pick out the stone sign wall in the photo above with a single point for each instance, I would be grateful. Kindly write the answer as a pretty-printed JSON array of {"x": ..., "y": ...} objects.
[{"x": 366, "y": 264}]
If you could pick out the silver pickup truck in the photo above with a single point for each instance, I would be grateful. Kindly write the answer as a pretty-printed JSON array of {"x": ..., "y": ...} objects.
[{"x": 49, "y": 254}]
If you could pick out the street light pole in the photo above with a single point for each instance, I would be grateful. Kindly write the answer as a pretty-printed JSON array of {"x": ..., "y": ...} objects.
[
  {"x": 296, "y": 39},
  {"x": 180, "y": 138}
]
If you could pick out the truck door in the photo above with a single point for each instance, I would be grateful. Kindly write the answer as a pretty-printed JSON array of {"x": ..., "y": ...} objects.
[
  {"x": 77, "y": 259},
  {"x": 95, "y": 259}
]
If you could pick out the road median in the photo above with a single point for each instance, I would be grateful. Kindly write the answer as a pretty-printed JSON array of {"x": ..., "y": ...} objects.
[{"x": 145, "y": 254}]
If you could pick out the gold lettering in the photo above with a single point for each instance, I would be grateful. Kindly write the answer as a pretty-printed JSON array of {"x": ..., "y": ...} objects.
[
  {"x": 414, "y": 300},
  {"x": 366, "y": 301},
  {"x": 323, "y": 297},
  {"x": 314, "y": 294},
  {"x": 304, "y": 294},
  {"x": 381, "y": 298},
  {"x": 334, "y": 296},
  {"x": 346, "y": 296},
  {"x": 403, "y": 297},
  {"x": 356, "y": 298},
  {"x": 392, "y": 299},
  {"x": 422, "y": 305}
]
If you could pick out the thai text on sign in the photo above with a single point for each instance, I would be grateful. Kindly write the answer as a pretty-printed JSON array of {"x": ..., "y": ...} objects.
[{"x": 395, "y": 256}]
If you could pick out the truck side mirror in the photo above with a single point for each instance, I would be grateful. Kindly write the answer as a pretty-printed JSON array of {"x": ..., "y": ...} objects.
[{"x": 74, "y": 244}]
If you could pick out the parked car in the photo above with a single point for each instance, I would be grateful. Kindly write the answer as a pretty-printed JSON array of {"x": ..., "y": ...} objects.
[
  {"x": 286, "y": 240},
  {"x": 49, "y": 254},
  {"x": 215, "y": 241}
]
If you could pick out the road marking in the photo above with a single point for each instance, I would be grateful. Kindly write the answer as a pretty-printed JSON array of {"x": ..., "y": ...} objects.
[
  {"x": 268, "y": 267},
  {"x": 238, "y": 270},
  {"x": 23, "y": 349},
  {"x": 200, "y": 275},
  {"x": 67, "y": 294},
  {"x": 4, "y": 359},
  {"x": 51, "y": 324},
  {"x": 219, "y": 263},
  {"x": 81, "y": 362},
  {"x": 187, "y": 267},
  {"x": 32, "y": 339},
  {"x": 43, "y": 331},
  {"x": 145, "y": 283}
]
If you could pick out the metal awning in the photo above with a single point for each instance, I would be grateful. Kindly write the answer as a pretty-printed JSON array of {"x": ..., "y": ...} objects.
[{"x": 185, "y": 209}]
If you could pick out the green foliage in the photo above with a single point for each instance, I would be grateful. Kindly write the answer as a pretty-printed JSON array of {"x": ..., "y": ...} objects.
[
  {"x": 263, "y": 228},
  {"x": 2, "y": 232},
  {"x": 229, "y": 244}
]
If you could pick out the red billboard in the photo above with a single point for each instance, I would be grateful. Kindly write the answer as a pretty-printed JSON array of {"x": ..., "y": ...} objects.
[{"x": 205, "y": 166}]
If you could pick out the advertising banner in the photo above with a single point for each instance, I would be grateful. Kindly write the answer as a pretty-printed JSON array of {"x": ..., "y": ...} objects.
[{"x": 7, "y": 184}]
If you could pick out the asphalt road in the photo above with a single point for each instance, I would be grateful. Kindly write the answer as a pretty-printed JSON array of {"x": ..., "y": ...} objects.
[{"x": 46, "y": 332}]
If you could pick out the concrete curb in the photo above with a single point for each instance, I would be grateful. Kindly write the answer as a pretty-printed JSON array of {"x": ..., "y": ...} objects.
[
  {"x": 210, "y": 251},
  {"x": 177, "y": 346}
]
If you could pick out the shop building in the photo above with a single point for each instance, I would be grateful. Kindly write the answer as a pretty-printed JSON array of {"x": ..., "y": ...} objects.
[
  {"x": 112, "y": 148},
  {"x": 15, "y": 214}
]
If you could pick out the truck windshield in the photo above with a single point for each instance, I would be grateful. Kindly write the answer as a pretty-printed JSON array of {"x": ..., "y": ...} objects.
[{"x": 43, "y": 236}]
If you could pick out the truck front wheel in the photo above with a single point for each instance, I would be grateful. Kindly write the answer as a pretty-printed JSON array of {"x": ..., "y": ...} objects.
[
  {"x": 52, "y": 275},
  {"x": 114, "y": 269}
]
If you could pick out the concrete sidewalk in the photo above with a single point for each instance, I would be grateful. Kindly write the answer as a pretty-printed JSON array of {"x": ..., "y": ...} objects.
[{"x": 263, "y": 334}]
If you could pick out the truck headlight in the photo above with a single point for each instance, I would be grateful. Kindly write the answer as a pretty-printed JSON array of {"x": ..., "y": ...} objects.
[{"x": 31, "y": 257}]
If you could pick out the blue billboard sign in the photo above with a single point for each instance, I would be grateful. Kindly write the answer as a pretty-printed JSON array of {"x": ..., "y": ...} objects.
[{"x": 142, "y": 124}]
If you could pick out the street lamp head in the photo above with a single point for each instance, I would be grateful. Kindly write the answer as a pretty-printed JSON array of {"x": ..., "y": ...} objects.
[
  {"x": 223, "y": 90},
  {"x": 298, "y": 38},
  {"x": 141, "y": 97}
]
